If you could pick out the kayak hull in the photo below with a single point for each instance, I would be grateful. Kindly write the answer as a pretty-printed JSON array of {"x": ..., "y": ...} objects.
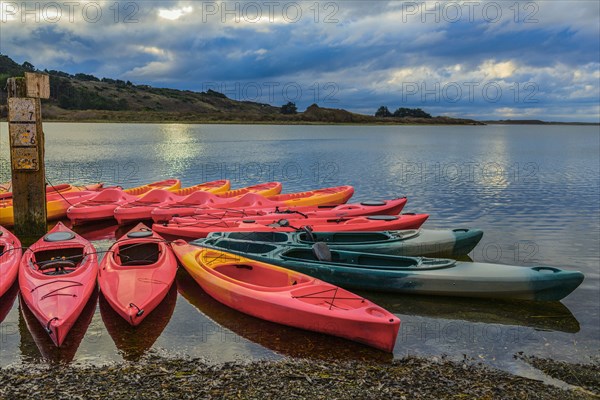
[
  {"x": 136, "y": 275},
  {"x": 57, "y": 296},
  {"x": 386, "y": 273},
  {"x": 10, "y": 256},
  {"x": 290, "y": 298},
  {"x": 192, "y": 228},
  {"x": 422, "y": 242},
  {"x": 387, "y": 207}
]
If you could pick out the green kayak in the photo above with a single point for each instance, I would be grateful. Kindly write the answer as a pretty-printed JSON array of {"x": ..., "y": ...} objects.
[
  {"x": 417, "y": 275},
  {"x": 414, "y": 242}
]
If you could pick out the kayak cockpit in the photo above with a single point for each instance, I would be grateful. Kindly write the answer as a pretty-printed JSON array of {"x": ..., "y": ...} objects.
[
  {"x": 58, "y": 261},
  {"x": 320, "y": 253},
  {"x": 343, "y": 237},
  {"x": 256, "y": 274},
  {"x": 137, "y": 254},
  {"x": 240, "y": 246},
  {"x": 269, "y": 237}
]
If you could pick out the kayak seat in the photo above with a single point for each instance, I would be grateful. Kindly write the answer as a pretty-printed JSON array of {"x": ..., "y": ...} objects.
[
  {"x": 57, "y": 267},
  {"x": 321, "y": 251}
]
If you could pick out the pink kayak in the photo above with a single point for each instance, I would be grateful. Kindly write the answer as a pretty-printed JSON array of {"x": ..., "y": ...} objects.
[
  {"x": 137, "y": 273},
  {"x": 57, "y": 276},
  {"x": 102, "y": 206},
  {"x": 384, "y": 207},
  {"x": 10, "y": 255},
  {"x": 195, "y": 229},
  {"x": 140, "y": 209},
  {"x": 189, "y": 206}
]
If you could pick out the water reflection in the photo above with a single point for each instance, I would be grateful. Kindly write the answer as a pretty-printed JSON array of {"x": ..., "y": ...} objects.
[
  {"x": 36, "y": 344},
  {"x": 134, "y": 342},
  {"x": 103, "y": 230},
  {"x": 550, "y": 316},
  {"x": 281, "y": 339},
  {"x": 7, "y": 301}
]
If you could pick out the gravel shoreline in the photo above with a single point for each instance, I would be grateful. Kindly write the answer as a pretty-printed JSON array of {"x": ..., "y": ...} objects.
[{"x": 156, "y": 377}]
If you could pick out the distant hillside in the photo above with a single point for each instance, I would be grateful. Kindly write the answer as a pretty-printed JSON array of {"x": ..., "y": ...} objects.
[
  {"x": 83, "y": 97},
  {"x": 535, "y": 122}
]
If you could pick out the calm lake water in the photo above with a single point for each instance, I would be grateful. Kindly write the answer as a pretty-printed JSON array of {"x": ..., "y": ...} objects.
[{"x": 534, "y": 190}]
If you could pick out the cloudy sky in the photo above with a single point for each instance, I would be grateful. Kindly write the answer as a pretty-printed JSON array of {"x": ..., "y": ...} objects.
[{"x": 479, "y": 59}]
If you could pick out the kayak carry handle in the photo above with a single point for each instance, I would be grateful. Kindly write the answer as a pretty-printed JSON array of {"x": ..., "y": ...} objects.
[{"x": 552, "y": 269}]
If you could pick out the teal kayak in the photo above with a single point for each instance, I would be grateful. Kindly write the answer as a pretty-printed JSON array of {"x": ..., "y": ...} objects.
[
  {"x": 416, "y": 275},
  {"x": 413, "y": 242}
]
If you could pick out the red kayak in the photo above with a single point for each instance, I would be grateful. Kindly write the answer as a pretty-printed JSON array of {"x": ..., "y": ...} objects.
[
  {"x": 189, "y": 206},
  {"x": 57, "y": 276},
  {"x": 287, "y": 297},
  {"x": 102, "y": 206},
  {"x": 140, "y": 209},
  {"x": 10, "y": 255},
  {"x": 384, "y": 207},
  {"x": 195, "y": 229},
  {"x": 136, "y": 273}
]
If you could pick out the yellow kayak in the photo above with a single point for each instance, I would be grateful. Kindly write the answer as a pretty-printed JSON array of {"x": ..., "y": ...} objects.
[{"x": 56, "y": 204}]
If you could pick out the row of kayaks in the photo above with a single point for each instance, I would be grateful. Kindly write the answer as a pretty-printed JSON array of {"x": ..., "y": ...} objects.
[
  {"x": 287, "y": 258},
  {"x": 58, "y": 274},
  {"x": 293, "y": 278},
  {"x": 164, "y": 200}
]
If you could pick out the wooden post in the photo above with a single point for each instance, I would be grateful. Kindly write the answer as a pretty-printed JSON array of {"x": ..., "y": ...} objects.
[{"x": 27, "y": 153}]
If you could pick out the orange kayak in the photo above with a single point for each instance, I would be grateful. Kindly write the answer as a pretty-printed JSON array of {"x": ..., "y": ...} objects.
[
  {"x": 220, "y": 186},
  {"x": 102, "y": 206},
  {"x": 57, "y": 276},
  {"x": 323, "y": 197},
  {"x": 264, "y": 189},
  {"x": 248, "y": 200},
  {"x": 136, "y": 273},
  {"x": 10, "y": 255},
  {"x": 286, "y": 297}
]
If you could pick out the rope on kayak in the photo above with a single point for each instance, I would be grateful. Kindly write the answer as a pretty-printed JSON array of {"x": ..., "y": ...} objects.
[
  {"x": 333, "y": 298},
  {"x": 48, "y": 325},
  {"x": 139, "y": 313},
  {"x": 56, "y": 191},
  {"x": 288, "y": 211},
  {"x": 54, "y": 292},
  {"x": 202, "y": 224},
  {"x": 12, "y": 249},
  {"x": 224, "y": 211}
]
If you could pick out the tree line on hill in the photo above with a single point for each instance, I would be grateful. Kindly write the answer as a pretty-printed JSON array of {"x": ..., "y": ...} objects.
[
  {"x": 63, "y": 92},
  {"x": 401, "y": 112}
]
